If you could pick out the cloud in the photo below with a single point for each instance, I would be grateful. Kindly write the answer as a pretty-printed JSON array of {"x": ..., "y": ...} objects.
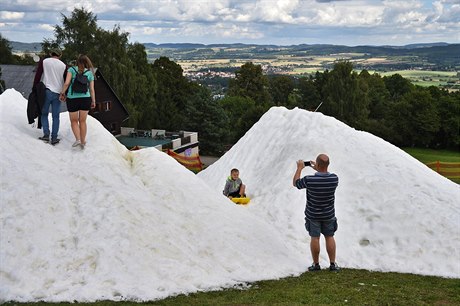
[
  {"x": 328, "y": 1},
  {"x": 46, "y": 27},
  {"x": 347, "y": 15},
  {"x": 5, "y": 15},
  {"x": 245, "y": 20},
  {"x": 446, "y": 12}
]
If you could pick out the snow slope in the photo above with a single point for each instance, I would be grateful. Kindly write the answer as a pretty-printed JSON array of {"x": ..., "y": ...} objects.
[
  {"x": 394, "y": 213},
  {"x": 106, "y": 223}
]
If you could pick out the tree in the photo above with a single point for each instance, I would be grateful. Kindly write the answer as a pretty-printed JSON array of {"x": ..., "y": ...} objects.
[
  {"x": 250, "y": 82},
  {"x": 124, "y": 65},
  {"x": 236, "y": 108},
  {"x": 2, "y": 82},
  {"x": 397, "y": 86},
  {"x": 448, "y": 107},
  {"x": 6, "y": 56},
  {"x": 377, "y": 93},
  {"x": 173, "y": 91},
  {"x": 415, "y": 119},
  {"x": 310, "y": 97},
  {"x": 344, "y": 96},
  {"x": 207, "y": 117},
  {"x": 78, "y": 35},
  {"x": 281, "y": 87},
  {"x": 379, "y": 104}
]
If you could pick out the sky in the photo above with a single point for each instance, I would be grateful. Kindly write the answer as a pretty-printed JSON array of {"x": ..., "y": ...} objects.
[
  {"x": 279, "y": 22},
  {"x": 105, "y": 223}
]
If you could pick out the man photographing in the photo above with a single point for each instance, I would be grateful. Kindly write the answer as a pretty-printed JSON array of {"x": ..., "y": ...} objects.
[{"x": 319, "y": 212}]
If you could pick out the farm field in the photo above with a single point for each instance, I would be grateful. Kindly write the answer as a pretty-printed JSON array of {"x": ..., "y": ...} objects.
[
  {"x": 302, "y": 63},
  {"x": 425, "y": 77}
]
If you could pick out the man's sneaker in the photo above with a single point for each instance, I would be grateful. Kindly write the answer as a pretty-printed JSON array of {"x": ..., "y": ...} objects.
[
  {"x": 334, "y": 267},
  {"x": 45, "y": 138},
  {"x": 314, "y": 267},
  {"x": 55, "y": 141},
  {"x": 76, "y": 143}
]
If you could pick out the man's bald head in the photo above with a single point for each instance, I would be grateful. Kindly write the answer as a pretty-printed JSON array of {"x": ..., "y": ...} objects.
[{"x": 322, "y": 162}]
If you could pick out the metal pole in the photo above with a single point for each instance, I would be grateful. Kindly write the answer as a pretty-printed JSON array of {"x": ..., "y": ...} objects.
[{"x": 318, "y": 107}]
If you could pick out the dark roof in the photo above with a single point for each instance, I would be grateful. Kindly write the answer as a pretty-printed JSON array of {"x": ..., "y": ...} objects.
[
  {"x": 19, "y": 77},
  {"x": 99, "y": 75}
]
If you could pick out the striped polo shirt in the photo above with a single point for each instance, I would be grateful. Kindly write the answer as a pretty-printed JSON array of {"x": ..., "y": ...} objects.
[{"x": 320, "y": 195}]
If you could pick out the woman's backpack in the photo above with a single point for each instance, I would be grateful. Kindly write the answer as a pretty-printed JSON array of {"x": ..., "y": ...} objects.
[{"x": 80, "y": 83}]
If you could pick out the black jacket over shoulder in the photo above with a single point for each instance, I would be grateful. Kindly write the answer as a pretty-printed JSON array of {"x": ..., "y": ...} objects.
[{"x": 35, "y": 103}]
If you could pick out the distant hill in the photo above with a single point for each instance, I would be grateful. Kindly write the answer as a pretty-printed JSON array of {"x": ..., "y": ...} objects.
[
  {"x": 314, "y": 46},
  {"x": 25, "y": 47},
  {"x": 438, "y": 53},
  {"x": 322, "y": 48}
]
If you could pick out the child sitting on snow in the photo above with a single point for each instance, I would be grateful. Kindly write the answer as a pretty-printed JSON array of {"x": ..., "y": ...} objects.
[{"x": 234, "y": 187}]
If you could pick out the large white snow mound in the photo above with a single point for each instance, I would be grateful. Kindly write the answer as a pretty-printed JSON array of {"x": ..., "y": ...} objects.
[
  {"x": 394, "y": 213},
  {"x": 105, "y": 223}
]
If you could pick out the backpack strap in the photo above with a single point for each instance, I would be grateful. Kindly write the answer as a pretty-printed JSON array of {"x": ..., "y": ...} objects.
[
  {"x": 73, "y": 79},
  {"x": 76, "y": 71}
]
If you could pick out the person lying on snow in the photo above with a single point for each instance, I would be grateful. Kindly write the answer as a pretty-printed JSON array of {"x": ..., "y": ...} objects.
[{"x": 234, "y": 187}]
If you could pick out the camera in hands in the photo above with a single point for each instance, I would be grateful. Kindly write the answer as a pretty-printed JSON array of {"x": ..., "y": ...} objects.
[{"x": 307, "y": 163}]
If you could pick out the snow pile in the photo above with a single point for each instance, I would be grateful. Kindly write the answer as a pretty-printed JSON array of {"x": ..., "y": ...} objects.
[
  {"x": 394, "y": 213},
  {"x": 106, "y": 223}
]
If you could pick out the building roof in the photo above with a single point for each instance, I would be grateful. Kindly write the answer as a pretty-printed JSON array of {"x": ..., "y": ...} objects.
[{"x": 19, "y": 77}]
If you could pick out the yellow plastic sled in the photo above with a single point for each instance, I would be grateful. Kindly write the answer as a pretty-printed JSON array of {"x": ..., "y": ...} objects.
[{"x": 242, "y": 201}]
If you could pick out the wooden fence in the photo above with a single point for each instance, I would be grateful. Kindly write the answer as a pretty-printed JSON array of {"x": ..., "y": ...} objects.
[{"x": 449, "y": 170}]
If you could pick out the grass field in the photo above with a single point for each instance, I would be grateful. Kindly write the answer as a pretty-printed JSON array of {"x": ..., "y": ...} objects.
[
  {"x": 429, "y": 155},
  {"x": 425, "y": 78},
  {"x": 421, "y": 73},
  {"x": 348, "y": 287}
]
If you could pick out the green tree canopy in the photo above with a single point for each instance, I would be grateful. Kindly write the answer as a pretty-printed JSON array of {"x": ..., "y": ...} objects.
[
  {"x": 172, "y": 93},
  {"x": 281, "y": 86},
  {"x": 250, "y": 82},
  {"x": 236, "y": 108},
  {"x": 124, "y": 65},
  {"x": 6, "y": 56},
  {"x": 310, "y": 97},
  {"x": 77, "y": 35},
  {"x": 207, "y": 117},
  {"x": 414, "y": 119},
  {"x": 344, "y": 97},
  {"x": 397, "y": 86}
]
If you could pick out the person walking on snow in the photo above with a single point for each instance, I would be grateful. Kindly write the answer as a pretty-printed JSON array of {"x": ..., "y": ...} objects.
[
  {"x": 79, "y": 103},
  {"x": 51, "y": 72},
  {"x": 319, "y": 211}
]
